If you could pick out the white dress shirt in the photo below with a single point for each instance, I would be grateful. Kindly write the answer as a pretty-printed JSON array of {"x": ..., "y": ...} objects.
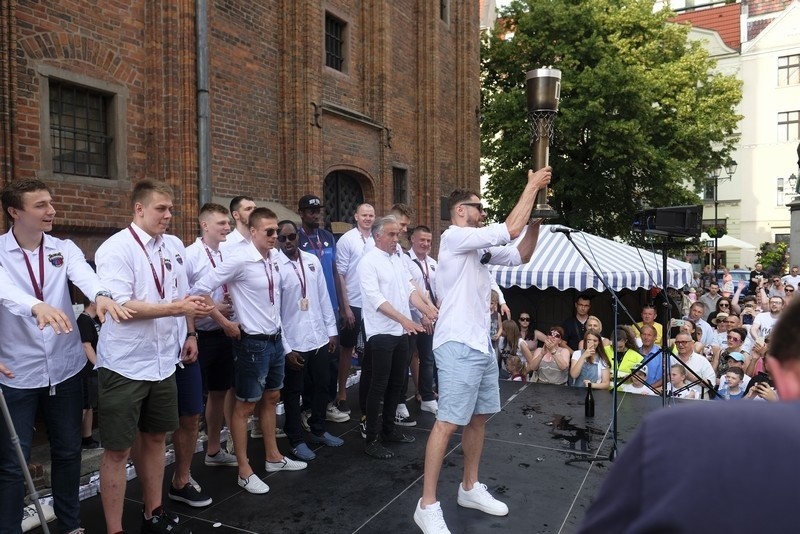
[
  {"x": 384, "y": 278},
  {"x": 462, "y": 283},
  {"x": 139, "y": 349},
  {"x": 349, "y": 251},
  {"x": 40, "y": 358},
  {"x": 198, "y": 263},
  {"x": 419, "y": 270},
  {"x": 247, "y": 275},
  {"x": 305, "y": 330},
  {"x": 233, "y": 238},
  {"x": 178, "y": 258},
  {"x": 13, "y": 298}
]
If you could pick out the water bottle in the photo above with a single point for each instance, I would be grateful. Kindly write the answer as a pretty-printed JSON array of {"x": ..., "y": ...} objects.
[{"x": 588, "y": 404}]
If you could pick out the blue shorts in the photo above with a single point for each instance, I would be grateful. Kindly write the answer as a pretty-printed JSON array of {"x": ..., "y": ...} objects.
[
  {"x": 468, "y": 383},
  {"x": 190, "y": 389},
  {"x": 258, "y": 367}
]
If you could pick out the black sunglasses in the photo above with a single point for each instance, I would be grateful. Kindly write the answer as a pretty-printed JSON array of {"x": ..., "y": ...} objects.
[
  {"x": 271, "y": 232},
  {"x": 477, "y": 205},
  {"x": 284, "y": 238}
]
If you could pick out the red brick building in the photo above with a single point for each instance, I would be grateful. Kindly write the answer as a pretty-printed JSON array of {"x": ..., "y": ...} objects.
[{"x": 376, "y": 100}]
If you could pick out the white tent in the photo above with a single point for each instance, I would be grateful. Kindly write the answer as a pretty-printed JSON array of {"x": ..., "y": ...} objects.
[
  {"x": 727, "y": 242},
  {"x": 556, "y": 263}
]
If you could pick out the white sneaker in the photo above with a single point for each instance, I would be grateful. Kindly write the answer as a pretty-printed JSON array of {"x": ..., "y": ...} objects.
[
  {"x": 221, "y": 459},
  {"x": 287, "y": 464},
  {"x": 402, "y": 410},
  {"x": 430, "y": 519},
  {"x": 194, "y": 483},
  {"x": 229, "y": 443},
  {"x": 253, "y": 484},
  {"x": 431, "y": 406},
  {"x": 279, "y": 433},
  {"x": 334, "y": 415},
  {"x": 480, "y": 499}
]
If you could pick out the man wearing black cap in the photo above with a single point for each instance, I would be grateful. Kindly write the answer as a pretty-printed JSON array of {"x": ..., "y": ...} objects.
[{"x": 314, "y": 239}]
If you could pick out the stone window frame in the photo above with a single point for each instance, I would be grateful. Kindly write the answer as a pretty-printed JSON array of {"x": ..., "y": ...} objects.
[{"x": 116, "y": 115}]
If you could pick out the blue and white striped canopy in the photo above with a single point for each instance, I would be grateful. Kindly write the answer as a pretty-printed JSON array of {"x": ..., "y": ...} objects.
[{"x": 556, "y": 263}]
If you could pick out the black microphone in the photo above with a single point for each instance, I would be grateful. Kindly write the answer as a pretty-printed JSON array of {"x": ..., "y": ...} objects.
[{"x": 560, "y": 230}]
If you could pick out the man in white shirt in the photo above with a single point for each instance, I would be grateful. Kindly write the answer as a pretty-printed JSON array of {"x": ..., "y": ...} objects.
[
  {"x": 136, "y": 359},
  {"x": 386, "y": 291},
  {"x": 241, "y": 208},
  {"x": 253, "y": 278},
  {"x": 468, "y": 373},
  {"x": 40, "y": 368},
  {"x": 309, "y": 333},
  {"x": 213, "y": 344},
  {"x": 763, "y": 323},
  {"x": 793, "y": 278},
  {"x": 349, "y": 251},
  {"x": 706, "y": 334},
  {"x": 698, "y": 370},
  {"x": 423, "y": 269}
]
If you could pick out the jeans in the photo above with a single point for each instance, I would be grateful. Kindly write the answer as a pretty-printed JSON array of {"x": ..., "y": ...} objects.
[
  {"x": 62, "y": 413},
  {"x": 427, "y": 368},
  {"x": 390, "y": 356}
]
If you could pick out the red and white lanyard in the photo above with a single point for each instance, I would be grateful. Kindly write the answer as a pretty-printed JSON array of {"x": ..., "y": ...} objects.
[{"x": 159, "y": 283}]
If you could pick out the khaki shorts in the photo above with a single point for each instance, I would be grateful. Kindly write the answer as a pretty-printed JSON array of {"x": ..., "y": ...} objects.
[{"x": 127, "y": 405}]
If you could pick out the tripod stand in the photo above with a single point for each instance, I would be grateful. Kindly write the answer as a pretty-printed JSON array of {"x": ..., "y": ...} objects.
[{"x": 12, "y": 432}]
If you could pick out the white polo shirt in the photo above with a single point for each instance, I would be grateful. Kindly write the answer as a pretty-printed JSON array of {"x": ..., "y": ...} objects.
[
  {"x": 308, "y": 330},
  {"x": 349, "y": 250},
  {"x": 41, "y": 358},
  {"x": 247, "y": 275},
  {"x": 139, "y": 349},
  {"x": 462, "y": 283},
  {"x": 384, "y": 278},
  {"x": 198, "y": 262}
]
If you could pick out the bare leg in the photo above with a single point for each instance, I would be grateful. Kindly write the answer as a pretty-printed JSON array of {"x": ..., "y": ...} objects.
[
  {"x": 86, "y": 424},
  {"x": 215, "y": 408},
  {"x": 184, "y": 441},
  {"x": 434, "y": 456},
  {"x": 241, "y": 411},
  {"x": 268, "y": 402},
  {"x": 472, "y": 441},
  {"x": 113, "y": 480},
  {"x": 148, "y": 458}
]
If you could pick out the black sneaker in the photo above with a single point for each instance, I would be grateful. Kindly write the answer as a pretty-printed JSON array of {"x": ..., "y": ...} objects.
[
  {"x": 397, "y": 437},
  {"x": 162, "y": 522},
  {"x": 362, "y": 426},
  {"x": 189, "y": 495},
  {"x": 342, "y": 406}
]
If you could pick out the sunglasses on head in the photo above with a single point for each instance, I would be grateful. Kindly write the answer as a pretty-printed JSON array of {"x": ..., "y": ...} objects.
[
  {"x": 285, "y": 238},
  {"x": 555, "y": 334}
]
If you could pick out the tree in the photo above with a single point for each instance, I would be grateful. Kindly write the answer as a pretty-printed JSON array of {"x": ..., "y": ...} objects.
[
  {"x": 640, "y": 109},
  {"x": 773, "y": 257}
]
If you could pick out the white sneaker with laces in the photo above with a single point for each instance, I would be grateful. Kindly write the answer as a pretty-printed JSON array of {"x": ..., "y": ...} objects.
[
  {"x": 480, "y": 499},
  {"x": 221, "y": 459},
  {"x": 402, "y": 410},
  {"x": 431, "y": 406},
  {"x": 430, "y": 519},
  {"x": 335, "y": 416}
]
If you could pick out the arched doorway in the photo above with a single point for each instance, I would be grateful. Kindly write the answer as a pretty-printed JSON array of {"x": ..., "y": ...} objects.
[{"x": 343, "y": 193}]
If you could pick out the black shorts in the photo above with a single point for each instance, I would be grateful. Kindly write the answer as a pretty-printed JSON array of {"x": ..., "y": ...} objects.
[{"x": 348, "y": 337}]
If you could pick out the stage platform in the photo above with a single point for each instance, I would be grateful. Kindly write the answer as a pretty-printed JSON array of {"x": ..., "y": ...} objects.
[{"x": 345, "y": 491}]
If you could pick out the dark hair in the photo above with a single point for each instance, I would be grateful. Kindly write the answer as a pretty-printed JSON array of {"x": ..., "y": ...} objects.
[
  {"x": 556, "y": 328},
  {"x": 583, "y": 296},
  {"x": 739, "y": 330},
  {"x": 403, "y": 209},
  {"x": 421, "y": 228},
  {"x": 143, "y": 190},
  {"x": 738, "y": 371},
  {"x": 785, "y": 335},
  {"x": 287, "y": 221},
  {"x": 236, "y": 201},
  {"x": 260, "y": 213},
  {"x": 210, "y": 207},
  {"x": 458, "y": 196},
  {"x": 725, "y": 299},
  {"x": 12, "y": 193}
]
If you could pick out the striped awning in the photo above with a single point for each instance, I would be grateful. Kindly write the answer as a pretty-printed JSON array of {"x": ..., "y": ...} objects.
[{"x": 556, "y": 263}]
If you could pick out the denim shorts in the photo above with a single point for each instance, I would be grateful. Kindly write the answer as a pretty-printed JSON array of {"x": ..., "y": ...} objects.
[
  {"x": 258, "y": 367},
  {"x": 468, "y": 383}
]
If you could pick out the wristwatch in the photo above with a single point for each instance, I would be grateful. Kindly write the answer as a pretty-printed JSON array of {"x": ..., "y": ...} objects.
[
  {"x": 191, "y": 334},
  {"x": 104, "y": 293}
]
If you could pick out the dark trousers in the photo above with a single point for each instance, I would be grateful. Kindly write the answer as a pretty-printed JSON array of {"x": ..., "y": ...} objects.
[
  {"x": 62, "y": 413},
  {"x": 312, "y": 382},
  {"x": 390, "y": 356},
  {"x": 427, "y": 366}
]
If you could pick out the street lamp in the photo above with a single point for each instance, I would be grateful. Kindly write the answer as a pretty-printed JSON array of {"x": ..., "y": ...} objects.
[{"x": 730, "y": 169}]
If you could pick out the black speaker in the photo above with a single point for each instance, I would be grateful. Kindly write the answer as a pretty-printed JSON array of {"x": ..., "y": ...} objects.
[{"x": 674, "y": 221}]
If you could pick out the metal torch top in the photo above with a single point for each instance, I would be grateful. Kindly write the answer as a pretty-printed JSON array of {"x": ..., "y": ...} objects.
[{"x": 543, "y": 73}]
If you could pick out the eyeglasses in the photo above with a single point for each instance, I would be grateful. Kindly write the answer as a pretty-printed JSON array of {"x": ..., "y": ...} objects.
[
  {"x": 734, "y": 338},
  {"x": 285, "y": 238},
  {"x": 526, "y": 319},
  {"x": 789, "y": 290},
  {"x": 555, "y": 334},
  {"x": 486, "y": 257},
  {"x": 678, "y": 342},
  {"x": 271, "y": 232},
  {"x": 477, "y": 205}
]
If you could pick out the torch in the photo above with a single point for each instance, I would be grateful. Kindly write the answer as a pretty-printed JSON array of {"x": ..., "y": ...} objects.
[{"x": 543, "y": 91}]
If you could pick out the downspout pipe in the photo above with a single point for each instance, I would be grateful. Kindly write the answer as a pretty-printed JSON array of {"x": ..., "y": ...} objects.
[{"x": 203, "y": 105}]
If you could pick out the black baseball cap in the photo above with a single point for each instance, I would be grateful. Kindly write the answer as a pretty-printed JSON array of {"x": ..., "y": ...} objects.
[{"x": 309, "y": 201}]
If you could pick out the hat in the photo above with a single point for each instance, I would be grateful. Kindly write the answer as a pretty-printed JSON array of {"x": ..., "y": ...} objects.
[
  {"x": 720, "y": 316},
  {"x": 642, "y": 369},
  {"x": 309, "y": 201},
  {"x": 738, "y": 356}
]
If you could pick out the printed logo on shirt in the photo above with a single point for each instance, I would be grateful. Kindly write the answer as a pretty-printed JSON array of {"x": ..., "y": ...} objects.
[
  {"x": 179, "y": 259},
  {"x": 168, "y": 264},
  {"x": 56, "y": 259},
  {"x": 432, "y": 267},
  {"x": 275, "y": 265},
  {"x": 311, "y": 268}
]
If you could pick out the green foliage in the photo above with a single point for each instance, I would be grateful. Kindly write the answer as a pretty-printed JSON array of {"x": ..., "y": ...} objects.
[
  {"x": 773, "y": 257},
  {"x": 640, "y": 109},
  {"x": 716, "y": 231}
]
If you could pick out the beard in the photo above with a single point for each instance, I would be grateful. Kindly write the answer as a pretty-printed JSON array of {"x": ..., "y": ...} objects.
[{"x": 313, "y": 225}]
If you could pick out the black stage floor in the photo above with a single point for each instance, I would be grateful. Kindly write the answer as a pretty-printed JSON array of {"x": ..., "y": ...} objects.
[{"x": 345, "y": 491}]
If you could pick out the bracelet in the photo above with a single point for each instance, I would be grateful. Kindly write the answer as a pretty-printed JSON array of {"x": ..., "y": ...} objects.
[{"x": 191, "y": 334}]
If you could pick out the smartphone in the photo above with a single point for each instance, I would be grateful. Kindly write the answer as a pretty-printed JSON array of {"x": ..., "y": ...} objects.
[{"x": 678, "y": 322}]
